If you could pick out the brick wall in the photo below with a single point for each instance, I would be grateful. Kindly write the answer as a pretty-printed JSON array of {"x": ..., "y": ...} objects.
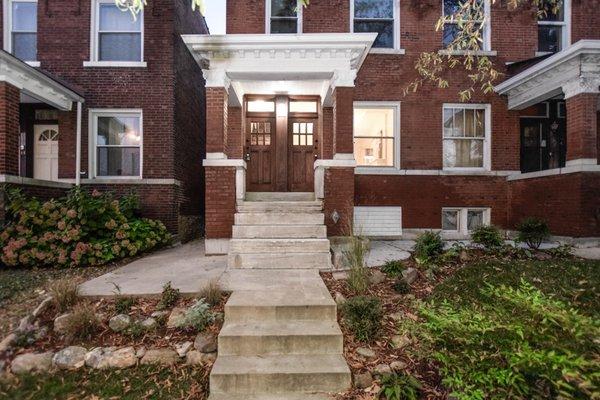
[
  {"x": 582, "y": 126},
  {"x": 220, "y": 201},
  {"x": 245, "y": 16},
  {"x": 216, "y": 120},
  {"x": 326, "y": 16},
  {"x": 9, "y": 129},
  {"x": 339, "y": 196},
  {"x": 235, "y": 139}
]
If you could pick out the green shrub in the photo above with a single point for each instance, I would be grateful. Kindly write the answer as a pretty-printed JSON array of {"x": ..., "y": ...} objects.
[
  {"x": 123, "y": 304},
  {"x": 429, "y": 245},
  {"x": 533, "y": 231},
  {"x": 393, "y": 267},
  {"x": 82, "y": 323},
  {"x": 168, "y": 297},
  {"x": 401, "y": 287},
  {"x": 364, "y": 316},
  {"x": 65, "y": 294},
  {"x": 77, "y": 230},
  {"x": 399, "y": 387},
  {"x": 488, "y": 236},
  {"x": 511, "y": 343},
  {"x": 197, "y": 317},
  {"x": 562, "y": 251}
]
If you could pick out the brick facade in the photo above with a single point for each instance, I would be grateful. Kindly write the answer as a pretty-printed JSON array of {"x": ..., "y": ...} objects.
[
  {"x": 582, "y": 126},
  {"x": 220, "y": 201},
  {"x": 9, "y": 129}
]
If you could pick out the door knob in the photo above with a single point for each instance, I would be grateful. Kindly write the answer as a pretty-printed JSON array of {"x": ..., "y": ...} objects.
[{"x": 247, "y": 157}]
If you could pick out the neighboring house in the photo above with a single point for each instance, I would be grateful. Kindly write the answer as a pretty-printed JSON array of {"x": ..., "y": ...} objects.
[
  {"x": 90, "y": 95},
  {"x": 302, "y": 99}
]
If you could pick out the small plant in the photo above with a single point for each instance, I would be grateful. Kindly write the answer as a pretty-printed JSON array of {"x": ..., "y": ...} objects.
[
  {"x": 136, "y": 330},
  {"x": 429, "y": 245},
  {"x": 358, "y": 276},
  {"x": 65, "y": 294},
  {"x": 399, "y": 387},
  {"x": 363, "y": 315},
  {"x": 488, "y": 236},
  {"x": 123, "y": 304},
  {"x": 562, "y": 251},
  {"x": 533, "y": 231},
  {"x": 393, "y": 267},
  {"x": 197, "y": 317},
  {"x": 82, "y": 323},
  {"x": 401, "y": 287},
  {"x": 211, "y": 293},
  {"x": 168, "y": 297}
]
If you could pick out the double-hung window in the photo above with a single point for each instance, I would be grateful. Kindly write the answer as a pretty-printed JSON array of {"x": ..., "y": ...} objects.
[
  {"x": 117, "y": 138},
  {"x": 284, "y": 16},
  {"x": 117, "y": 35},
  {"x": 464, "y": 220},
  {"x": 378, "y": 16},
  {"x": 466, "y": 136},
  {"x": 376, "y": 134},
  {"x": 21, "y": 32},
  {"x": 480, "y": 17},
  {"x": 553, "y": 29}
]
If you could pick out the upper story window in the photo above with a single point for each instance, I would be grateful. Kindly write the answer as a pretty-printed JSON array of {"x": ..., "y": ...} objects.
[
  {"x": 378, "y": 16},
  {"x": 480, "y": 16},
  {"x": 20, "y": 35},
  {"x": 117, "y": 36},
  {"x": 553, "y": 29},
  {"x": 284, "y": 16},
  {"x": 376, "y": 134},
  {"x": 466, "y": 136}
]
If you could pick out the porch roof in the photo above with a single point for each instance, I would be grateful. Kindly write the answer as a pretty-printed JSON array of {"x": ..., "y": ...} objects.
[
  {"x": 36, "y": 83},
  {"x": 569, "y": 72},
  {"x": 310, "y": 63}
]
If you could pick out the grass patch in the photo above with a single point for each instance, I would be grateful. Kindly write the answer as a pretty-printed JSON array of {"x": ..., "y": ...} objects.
[{"x": 136, "y": 383}]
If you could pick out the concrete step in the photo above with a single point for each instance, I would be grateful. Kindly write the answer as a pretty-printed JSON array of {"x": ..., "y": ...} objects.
[
  {"x": 280, "y": 337},
  {"x": 279, "y": 374},
  {"x": 290, "y": 260},
  {"x": 279, "y": 231},
  {"x": 284, "y": 396},
  {"x": 294, "y": 304},
  {"x": 275, "y": 218},
  {"x": 243, "y": 246},
  {"x": 280, "y": 196},
  {"x": 279, "y": 206}
]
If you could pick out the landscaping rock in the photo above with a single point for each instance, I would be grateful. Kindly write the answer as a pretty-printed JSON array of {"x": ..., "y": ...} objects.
[
  {"x": 195, "y": 357},
  {"x": 464, "y": 256},
  {"x": 160, "y": 314},
  {"x": 339, "y": 298},
  {"x": 122, "y": 358},
  {"x": 26, "y": 324},
  {"x": 205, "y": 343},
  {"x": 400, "y": 342},
  {"x": 160, "y": 356},
  {"x": 382, "y": 370},
  {"x": 363, "y": 381},
  {"x": 410, "y": 275},
  {"x": 183, "y": 348},
  {"x": 397, "y": 316},
  {"x": 176, "y": 317},
  {"x": 140, "y": 352},
  {"x": 43, "y": 306},
  {"x": 7, "y": 342},
  {"x": 377, "y": 277},
  {"x": 29, "y": 363},
  {"x": 398, "y": 366},
  {"x": 149, "y": 323},
  {"x": 342, "y": 275},
  {"x": 72, "y": 357},
  {"x": 119, "y": 323},
  {"x": 366, "y": 353},
  {"x": 60, "y": 323},
  {"x": 96, "y": 358}
]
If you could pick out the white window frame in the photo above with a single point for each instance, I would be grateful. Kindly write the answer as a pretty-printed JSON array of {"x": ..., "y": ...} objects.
[
  {"x": 487, "y": 31},
  {"x": 396, "y": 105},
  {"x": 94, "y": 113},
  {"x": 7, "y": 31},
  {"x": 95, "y": 35},
  {"x": 268, "y": 17},
  {"x": 463, "y": 212},
  {"x": 487, "y": 140},
  {"x": 396, "y": 48},
  {"x": 566, "y": 28}
]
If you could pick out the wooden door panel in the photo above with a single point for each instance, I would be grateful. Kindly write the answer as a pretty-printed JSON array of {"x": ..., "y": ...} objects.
[
  {"x": 260, "y": 140},
  {"x": 303, "y": 144}
]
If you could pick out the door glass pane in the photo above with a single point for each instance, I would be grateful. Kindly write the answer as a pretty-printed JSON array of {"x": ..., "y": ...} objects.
[
  {"x": 284, "y": 25},
  {"x": 474, "y": 219},
  {"x": 118, "y": 131},
  {"x": 120, "y": 47},
  {"x": 118, "y": 161},
  {"x": 114, "y": 20},
  {"x": 24, "y": 46},
  {"x": 24, "y": 16},
  {"x": 450, "y": 220},
  {"x": 385, "y": 30}
]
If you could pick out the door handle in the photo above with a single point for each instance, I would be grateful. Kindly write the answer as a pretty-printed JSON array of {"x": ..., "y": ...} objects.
[{"x": 247, "y": 157}]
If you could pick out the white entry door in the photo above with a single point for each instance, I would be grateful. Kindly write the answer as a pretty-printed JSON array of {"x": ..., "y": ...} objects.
[{"x": 45, "y": 152}]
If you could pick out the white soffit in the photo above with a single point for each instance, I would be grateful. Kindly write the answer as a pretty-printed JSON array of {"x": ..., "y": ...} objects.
[
  {"x": 35, "y": 84},
  {"x": 570, "y": 72}
]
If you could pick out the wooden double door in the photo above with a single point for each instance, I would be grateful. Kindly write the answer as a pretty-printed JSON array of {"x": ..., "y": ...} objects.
[{"x": 280, "y": 152}]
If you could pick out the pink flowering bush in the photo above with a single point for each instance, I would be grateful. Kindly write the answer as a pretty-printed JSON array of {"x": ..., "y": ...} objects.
[{"x": 80, "y": 229}]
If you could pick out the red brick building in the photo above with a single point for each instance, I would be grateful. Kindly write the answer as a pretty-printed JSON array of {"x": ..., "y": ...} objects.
[
  {"x": 306, "y": 99},
  {"x": 91, "y": 96}
]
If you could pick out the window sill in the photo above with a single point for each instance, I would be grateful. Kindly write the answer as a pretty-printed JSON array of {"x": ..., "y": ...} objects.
[
  {"x": 115, "y": 64},
  {"x": 386, "y": 51},
  {"x": 543, "y": 53},
  {"x": 487, "y": 53},
  {"x": 35, "y": 64}
]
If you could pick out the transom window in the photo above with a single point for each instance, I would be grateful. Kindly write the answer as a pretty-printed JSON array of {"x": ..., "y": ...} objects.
[
  {"x": 21, "y": 20},
  {"x": 553, "y": 30},
  {"x": 452, "y": 29},
  {"x": 466, "y": 136},
  {"x": 378, "y": 16},
  {"x": 118, "y": 36},
  {"x": 48, "y": 135},
  {"x": 118, "y": 140},
  {"x": 284, "y": 16},
  {"x": 464, "y": 220},
  {"x": 376, "y": 135}
]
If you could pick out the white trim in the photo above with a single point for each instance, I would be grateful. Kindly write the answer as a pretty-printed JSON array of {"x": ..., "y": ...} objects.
[
  {"x": 78, "y": 144},
  {"x": 93, "y": 114},
  {"x": 487, "y": 34},
  {"x": 268, "y": 16},
  {"x": 487, "y": 53},
  {"x": 566, "y": 27},
  {"x": 487, "y": 140},
  {"x": 130, "y": 181},
  {"x": 396, "y": 49},
  {"x": 94, "y": 35},
  {"x": 431, "y": 172},
  {"x": 216, "y": 247},
  {"x": 21, "y": 180},
  {"x": 224, "y": 162},
  {"x": 555, "y": 171},
  {"x": 463, "y": 213},
  {"x": 582, "y": 161},
  {"x": 7, "y": 31},
  {"x": 34, "y": 64},
  {"x": 396, "y": 105}
]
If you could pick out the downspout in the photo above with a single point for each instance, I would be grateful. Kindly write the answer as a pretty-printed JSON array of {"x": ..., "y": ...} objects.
[{"x": 78, "y": 149}]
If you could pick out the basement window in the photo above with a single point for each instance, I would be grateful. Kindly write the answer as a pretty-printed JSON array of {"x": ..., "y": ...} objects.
[{"x": 464, "y": 220}]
